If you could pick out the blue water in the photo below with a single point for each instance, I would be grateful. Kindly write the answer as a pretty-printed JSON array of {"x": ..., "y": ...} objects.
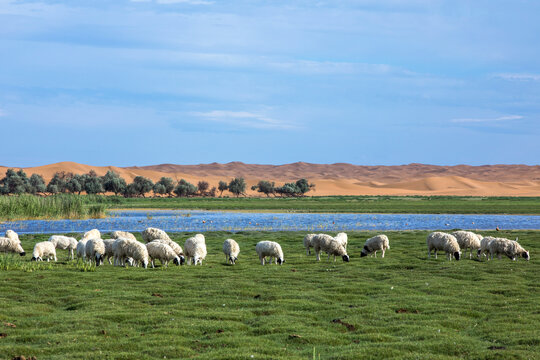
[{"x": 200, "y": 221}]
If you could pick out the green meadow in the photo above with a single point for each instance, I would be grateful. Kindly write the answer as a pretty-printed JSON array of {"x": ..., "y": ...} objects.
[{"x": 403, "y": 306}]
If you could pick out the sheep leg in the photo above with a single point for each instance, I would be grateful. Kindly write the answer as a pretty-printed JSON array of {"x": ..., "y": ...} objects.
[
  {"x": 435, "y": 252},
  {"x": 382, "y": 252},
  {"x": 54, "y": 257},
  {"x": 318, "y": 253},
  {"x": 375, "y": 253},
  {"x": 428, "y": 253},
  {"x": 262, "y": 260}
]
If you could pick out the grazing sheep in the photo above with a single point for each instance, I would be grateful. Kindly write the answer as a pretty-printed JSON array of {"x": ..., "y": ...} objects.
[
  {"x": 163, "y": 252},
  {"x": 92, "y": 234},
  {"x": 64, "y": 243},
  {"x": 95, "y": 251},
  {"x": 10, "y": 234},
  {"x": 177, "y": 248},
  {"x": 342, "y": 239},
  {"x": 445, "y": 242},
  {"x": 11, "y": 245},
  {"x": 484, "y": 246},
  {"x": 467, "y": 240},
  {"x": 269, "y": 249},
  {"x": 372, "y": 245},
  {"x": 307, "y": 243},
  {"x": 138, "y": 252},
  {"x": 109, "y": 252},
  {"x": 44, "y": 250},
  {"x": 231, "y": 249},
  {"x": 81, "y": 248},
  {"x": 195, "y": 249},
  {"x": 510, "y": 248},
  {"x": 119, "y": 248},
  {"x": 329, "y": 245},
  {"x": 150, "y": 234},
  {"x": 122, "y": 234}
]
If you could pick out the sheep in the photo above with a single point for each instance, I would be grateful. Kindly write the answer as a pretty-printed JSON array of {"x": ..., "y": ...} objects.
[
  {"x": 163, "y": 252},
  {"x": 10, "y": 234},
  {"x": 231, "y": 249},
  {"x": 119, "y": 248},
  {"x": 92, "y": 234},
  {"x": 95, "y": 251},
  {"x": 44, "y": 250},
  {"x": 11, "y": 245},
  {"x": 81, "y": 248},
  {"x": 122, "y": 234},
  {"x": 109, "y": 252},
  {"x": 150, "y": 234},
  {"x": 138, "y": 252},
  {"x": 329, "y": 245},
  {"x": 307, "y": 243},
  {"x": 441, "y": 241},
  {"x": 195, "y": 249},
  {"x": 177, "y": 248},
  {"x": 64, "y": 242},
  {"x": 484, "y": 246},
  {"x": 467, "y": 240},
  {"x": 269, "y": 249},
  {"x": 379, "y": 242},
  {"x": 510, "y": 248},
  {"x": 342, "y": 239}
]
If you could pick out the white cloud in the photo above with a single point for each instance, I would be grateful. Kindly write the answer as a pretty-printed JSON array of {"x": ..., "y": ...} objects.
[
  {"x": 189, "y": 2},
  {"x": 243, "y": 119},
  {"x": 487, "y": 120},
  {"x": 518, "y": 76}
]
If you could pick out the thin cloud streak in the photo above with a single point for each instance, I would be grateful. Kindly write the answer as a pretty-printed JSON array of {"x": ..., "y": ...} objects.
[
  {"x": 488, "y": 120},
  {"x": 518, "y": 76},
  {"x": 243, "y": 119}
]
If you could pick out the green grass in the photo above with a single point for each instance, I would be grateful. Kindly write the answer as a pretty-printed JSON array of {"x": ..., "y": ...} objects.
[
  {"x": 62, "y": 206},
  {"x": 403, "y": 306}
]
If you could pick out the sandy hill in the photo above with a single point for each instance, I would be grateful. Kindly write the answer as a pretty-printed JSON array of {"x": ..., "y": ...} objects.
[{"x": 341, "y": 178}]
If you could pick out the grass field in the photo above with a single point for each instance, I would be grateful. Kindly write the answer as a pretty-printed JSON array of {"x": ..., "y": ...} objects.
[{"x": 403, "y": 306}]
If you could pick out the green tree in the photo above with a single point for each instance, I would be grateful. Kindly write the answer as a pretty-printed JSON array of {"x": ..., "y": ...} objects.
[
  {"x": 142, "y": 185},
  {"x": 265, "y": 187},
  {"x": 203, "y": 187},
  {"x": 222, "y": 186},
  {"x": 184, "y": 189},
  {"x": 15, "y": 182},
  {"x": 130, "y": 190},
  {"x": 75, "y": 184},
  {"x": 168, "y": 184},
  {"x": 304, "y": 186},
  {"x": 159, "y": 189},
  {"x": 237, "y": 186},
  {"x": 57, "y": 183},
  {"x": 112, "y": 182},
  {"x": 37, "y": 184},
  {"x": 92, "y": 184}
]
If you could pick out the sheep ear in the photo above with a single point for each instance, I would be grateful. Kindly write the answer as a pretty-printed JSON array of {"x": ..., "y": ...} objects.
[{"x": 517, "y": 239}]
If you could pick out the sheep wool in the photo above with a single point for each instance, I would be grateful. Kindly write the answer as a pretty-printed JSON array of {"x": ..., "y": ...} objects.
[
  {"x": 120, "y": 251},
  {"x": 177, "y": 248},
  {"x": 64, "y": 242},
  {"x": 372, "y": 245},
  {"x": 138, "y": 252},
  {"x": 342, "y": 239},
  {"x": 484, "y": 246},
  {"x": 195, "y": 249},
  {"x": 109, "y": 252},
  {"x": 95, "y": 251},
  {"x": 270, "y": 249},
  {"x": 122, "y": 234},
  {"x": 445, "y": 242},
  {"x": 512, "y": 249},
  {"x": 81, "y": 248},
  {"x": 231, "y": 249},
  {"x": 92, "y": 234},
  {"x": 44, "y": 250},
  {"x": 150, "y": 234},
  {"x": 162, "y": 252},
  {"x": 326, "y": 243},
  {"x": 307, "y": 243},
  {"x": 10, "y": 234},
  {"x": 11, "y": 246},
  {"x": 467, "y": 240}
]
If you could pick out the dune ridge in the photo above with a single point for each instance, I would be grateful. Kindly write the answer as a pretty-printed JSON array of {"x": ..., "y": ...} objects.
[{"x": 339, "y": 178}]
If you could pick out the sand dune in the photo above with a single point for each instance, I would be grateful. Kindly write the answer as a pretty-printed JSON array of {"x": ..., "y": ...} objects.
[{"x": 340, "y": 178}]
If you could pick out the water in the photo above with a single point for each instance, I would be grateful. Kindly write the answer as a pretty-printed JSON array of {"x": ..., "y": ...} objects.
[{"x": 200, "y": 221}]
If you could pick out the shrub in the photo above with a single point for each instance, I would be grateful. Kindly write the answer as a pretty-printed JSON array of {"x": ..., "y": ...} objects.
[
  {"x": 185, "y": 188},
  {"x": 237, "y": 186}
]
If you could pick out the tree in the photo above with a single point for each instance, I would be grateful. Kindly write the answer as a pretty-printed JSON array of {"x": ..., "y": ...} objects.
[
  {"x": 265, "y": 187},
  {"x": 237, "y": 186},
  {"x": 75, "y": 184},
  {"x": 142, "y": 185},
  {"x": 203, "y": 187},
  {"x": 130, "y": 190},
  {"x": 185, "y": 189},
  {"x": 212, "y": 191},
  {"x": 92, "y": 184},
  {"x": 57, "y": 183},
  {"x": 37, "y": 184},
  {"x": 168, "y": 184},
  {"x": 222, "y": 186},
  {"x": 159, "y": 189},
  {"x": 304, "y": 186},
  {"x": 15, "y": 182},
  {"x": 112, "y": 182}
]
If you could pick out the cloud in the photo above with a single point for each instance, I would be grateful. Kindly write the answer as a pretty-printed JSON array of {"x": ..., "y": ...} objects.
[
  {"x": 243, "y": 119},
  {"x": 518, "y": 76},
  {"x": 487, "y": 120},
  {"x": 167, "y": 2}
]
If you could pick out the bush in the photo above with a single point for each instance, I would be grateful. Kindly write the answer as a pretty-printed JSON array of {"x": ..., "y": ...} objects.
[
  {"x": 237, "y": 186},
  {"x": 265, "y": 187},
  {"x": 184, "y": 189}
]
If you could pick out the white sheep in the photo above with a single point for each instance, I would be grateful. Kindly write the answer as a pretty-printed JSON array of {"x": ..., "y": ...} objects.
[
  {"x": 44, "y": 250},
  {"x": 95, "y": 251},
  {"x": 342, "y": 239},
  {"x": 307, "y": 243},
  {"x": 510, "y": 248},
  {"x": 64, "y": 243},
  {"x": 269, "y": 249},
  {"x": 11, "y": 245},
  {"x": 10, "y": 234},
  {"x": 138, "y": 252},
  {"x": 231, "y": 249},
  {"x": 195, "y": 249},
  {"x": 467, "y": 240},
  {"x": 81, "y": 248},
  {"x": 372, "y": 245},
  {"x": 177, "y": 248},
  {"x": 119, "y": 249},
  {"x": 122, "y": 234},
  {"x": 484, "y": 246},
  {"x": 150, "y": 234},
  {"x": 445, "y": 242},
  {"x": 92, "y": 234},
  {"x": 326, "y": 243},
  {"x": 109, "y": 252},
  {"x": 162, "y": 252}
]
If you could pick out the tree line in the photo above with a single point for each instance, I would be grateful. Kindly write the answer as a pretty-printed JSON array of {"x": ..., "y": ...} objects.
[{"x": 17, "y": 182}]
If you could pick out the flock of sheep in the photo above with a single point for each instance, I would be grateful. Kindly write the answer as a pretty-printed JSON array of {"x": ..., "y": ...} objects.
[{"x": 125, "y": 249}]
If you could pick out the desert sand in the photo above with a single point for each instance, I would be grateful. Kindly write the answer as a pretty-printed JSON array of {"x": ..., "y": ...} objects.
[{"x": 340, "y": 178}]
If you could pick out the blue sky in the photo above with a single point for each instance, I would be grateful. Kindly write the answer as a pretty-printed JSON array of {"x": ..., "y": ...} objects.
[{"x": 374, "y": 82}]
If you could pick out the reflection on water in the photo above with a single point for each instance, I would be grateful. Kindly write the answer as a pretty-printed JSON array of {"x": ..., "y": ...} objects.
[{"x": 200, "y": 221}]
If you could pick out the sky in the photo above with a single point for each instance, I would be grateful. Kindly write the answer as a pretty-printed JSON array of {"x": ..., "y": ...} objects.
[{"x": 367, "y": 82}]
